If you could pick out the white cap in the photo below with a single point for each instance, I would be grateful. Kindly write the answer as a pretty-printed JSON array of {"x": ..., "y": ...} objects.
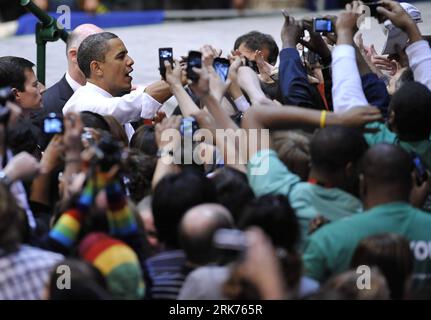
[{"x": 414, "y": 12}]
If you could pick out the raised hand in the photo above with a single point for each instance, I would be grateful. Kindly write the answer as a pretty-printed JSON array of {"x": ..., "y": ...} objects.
[
  {"x": 174, "y": 76},
  {"x": 23, "y": 166},
  {"x": 291, "y": 31}
]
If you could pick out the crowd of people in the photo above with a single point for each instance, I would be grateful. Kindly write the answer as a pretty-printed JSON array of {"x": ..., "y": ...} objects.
[{"x": 300, "y": 172}]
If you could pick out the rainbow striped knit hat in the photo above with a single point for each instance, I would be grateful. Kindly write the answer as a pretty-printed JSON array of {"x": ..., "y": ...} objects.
[{"x": 117, "y": 262}]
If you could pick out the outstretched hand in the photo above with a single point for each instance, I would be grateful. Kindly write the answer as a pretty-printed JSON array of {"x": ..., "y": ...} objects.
[{"x": 358, "y": 117}]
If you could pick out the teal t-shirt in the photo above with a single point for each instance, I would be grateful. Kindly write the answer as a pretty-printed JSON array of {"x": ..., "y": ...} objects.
[
  {"x": 384, "y": 135},
  {"x": 330, "y": 249},
  {"x": 268, "y": 175}
]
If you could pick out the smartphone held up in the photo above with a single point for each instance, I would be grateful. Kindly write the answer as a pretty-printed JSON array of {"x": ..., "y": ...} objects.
[{"x": 165, "y": 54}]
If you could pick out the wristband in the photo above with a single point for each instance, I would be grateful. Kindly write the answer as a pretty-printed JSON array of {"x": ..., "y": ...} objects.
[{"x": 323, "y": 118}]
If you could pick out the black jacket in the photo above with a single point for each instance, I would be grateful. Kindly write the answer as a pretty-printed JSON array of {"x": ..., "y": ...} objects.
[{"x": 56, "y": 96}]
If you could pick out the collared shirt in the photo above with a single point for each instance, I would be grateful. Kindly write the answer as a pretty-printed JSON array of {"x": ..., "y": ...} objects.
[
  {"x": 268, "y": 175},
  {"x": 419, "y": 54},
  {"x": 72, "y": 83},
  {"x": 347, "y": 91},
  {"x": 128, "y": 108},
  {"x": 330, "y": 249},
  {"x": 24, "y": 274}
]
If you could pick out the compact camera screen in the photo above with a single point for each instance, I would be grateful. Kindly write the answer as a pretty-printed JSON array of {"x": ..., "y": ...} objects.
[
  {"x": 323, "y": 25},
  {"x": 53, "y": 125}
]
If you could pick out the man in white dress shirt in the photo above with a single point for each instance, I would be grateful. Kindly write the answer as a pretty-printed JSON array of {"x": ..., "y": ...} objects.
[
  {"x": 56, "y": 96},
  {"x": 104, "y": 60}
]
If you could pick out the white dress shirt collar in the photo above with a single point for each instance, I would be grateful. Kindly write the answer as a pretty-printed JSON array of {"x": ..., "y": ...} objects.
[
  {"x": 72, "y": 83},
  {"x": 98, "y": 89}
]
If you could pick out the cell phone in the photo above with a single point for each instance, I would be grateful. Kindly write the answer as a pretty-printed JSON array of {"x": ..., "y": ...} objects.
[
  {"x": 53, "y": 124},
  {"x": 252, "y": 64},
  {"x": 165, "y": 54},
  {"x": 221, "y": 66},
  {"x": 194, "y": 60},
  {"x": 420, "y": 169},
  {"x": 188, "y": 127},
  {"x": 323, "y": 25},
  {"x": 230, "y": 240},
  {"x": 373, "y": 9}
]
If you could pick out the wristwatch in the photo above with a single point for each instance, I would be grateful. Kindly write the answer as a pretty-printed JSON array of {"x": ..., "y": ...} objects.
[
  {"x": 162, "y": 152},
  {"x": 4, "y": 179}
]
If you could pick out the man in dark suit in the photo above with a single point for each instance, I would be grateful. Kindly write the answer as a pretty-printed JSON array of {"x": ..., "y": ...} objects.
[{"x": 56, "y": 96}]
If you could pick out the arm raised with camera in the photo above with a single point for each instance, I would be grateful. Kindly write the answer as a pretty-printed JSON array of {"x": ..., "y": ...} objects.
[
  {"x": 418, "y": 51},
  {"x": 174, "y": 77},
  {"x": 168, "y": 141},
  {"x": 294, "y": 85},
  {"x": 210, "y": 87},
  {"x": 261, "y": 267},
  {"x": 41, "y": 186},
  {"x": 347, "y": 89}
]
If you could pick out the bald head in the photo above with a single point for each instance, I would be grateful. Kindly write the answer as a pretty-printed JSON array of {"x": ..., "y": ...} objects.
[
  {"x": 75, "y": 39},
  {"x": 80, "y": 33},
  {"x": 387, "y": 173},
  {"x": 387, "y": 164},
  {"x": 197, "y": 229}
]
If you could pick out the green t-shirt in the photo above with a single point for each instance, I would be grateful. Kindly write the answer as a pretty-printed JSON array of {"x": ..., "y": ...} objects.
[
  {"x": 330, "y": 249},
  {"x": 268, "y": 175},
  {"x": 384, "y": 135}
]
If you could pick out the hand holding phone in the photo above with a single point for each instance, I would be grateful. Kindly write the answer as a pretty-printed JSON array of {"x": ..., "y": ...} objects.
[
  {"x": 420, "y": 170},
  {"x": 165, "y": 54},
  {"x": 373, "y": 11},
  {"x": 188, "y": 127},
  {"x": 194, "y": 60},
  {"x": 221, "y": 66}
]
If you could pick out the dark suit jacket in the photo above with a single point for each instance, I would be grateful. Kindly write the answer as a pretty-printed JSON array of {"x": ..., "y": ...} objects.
[{"x": 56, "y": 97}]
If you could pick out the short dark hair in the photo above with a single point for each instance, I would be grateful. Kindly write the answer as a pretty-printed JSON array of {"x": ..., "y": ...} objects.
[
  {"x": 93, "y": 48},
  {"x": 139, "y": 169},
  {"x": 256, "y": 40},
  {"x": 276, "y": 217},
  {"x": 411, "y": 105},
  {"x": 332, "y": 148},
  {"x": 392, "y": 255},
  {"x": 144, "y": 140},
  {"x": 94, "y": 120},
  {"x": 173, "y": 196},
  {"x": 12, "y": 72},
  {"x": 233, "y": 190},
  {"x": 24, "y": 136}
]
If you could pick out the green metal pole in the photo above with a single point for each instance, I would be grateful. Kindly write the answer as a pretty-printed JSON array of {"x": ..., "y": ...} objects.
[
  {"x": 41, "y": 54},
  {"x": 46, "y": 30}
]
